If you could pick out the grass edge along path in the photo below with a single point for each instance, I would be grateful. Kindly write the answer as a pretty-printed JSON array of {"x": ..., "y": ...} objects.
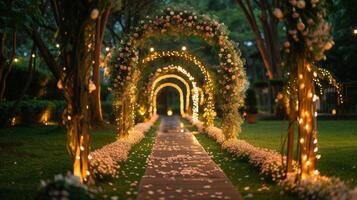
[
  {"x": 243, "y": 176},
  {"x": 131, "y": 170}
]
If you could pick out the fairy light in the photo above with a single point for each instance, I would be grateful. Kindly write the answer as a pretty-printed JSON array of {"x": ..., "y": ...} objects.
[
  {"x": 173, "y": 85},
  {"x": 209, "y": 112},
  {"x": 183, "y": 48},
  {"x": 302, "y": 140},
  {"x": 16, "y": 60},
  {"x": 308, "y": 163},
  {"x": 69, "y": 118},
  {"x": 152, "y": 49},
  {"x": 82, "y": 148},
  {"x": 57, "y": 45},
  {"x": 318, "y": 156},
  {"x": 167, "y": 72},
  {"x": 316, "y": 149},
  {"x": 90, "y": 157},
  {"x": 33, "y": 55},
  {"x": 107, "y": 49},
  {"x": 315, "y": 141}
]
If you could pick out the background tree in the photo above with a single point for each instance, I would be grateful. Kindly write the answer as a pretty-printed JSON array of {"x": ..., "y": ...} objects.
[{"x": 266, "y": 33}]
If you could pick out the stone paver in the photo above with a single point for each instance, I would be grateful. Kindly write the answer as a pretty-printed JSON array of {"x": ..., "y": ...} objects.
[{"x": 179, "y": 168}]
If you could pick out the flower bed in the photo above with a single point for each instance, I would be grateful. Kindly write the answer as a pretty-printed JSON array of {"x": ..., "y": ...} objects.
[
  {"x": 64, "y": 187},
  {"x": 105, "y": 161},
  {"x": 270, "y": 163}
]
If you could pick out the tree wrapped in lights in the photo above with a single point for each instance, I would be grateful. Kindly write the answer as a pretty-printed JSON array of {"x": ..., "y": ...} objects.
[{"x": 308, "y": 38}]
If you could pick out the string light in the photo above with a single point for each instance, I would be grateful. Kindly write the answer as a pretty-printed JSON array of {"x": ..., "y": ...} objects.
[
  {"x": 183, "y": 48},
  {"x": 57, "y": 45},
  {"x": 152, "y": 49},
  {"x": 16, "y": 60},
  {"x": 173, "y": 85},
  {"x": 209, "y": 113}
]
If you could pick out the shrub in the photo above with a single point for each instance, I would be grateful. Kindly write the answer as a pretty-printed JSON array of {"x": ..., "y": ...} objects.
[
  {"x": 31, "y": 111},
  {"x": 251, "y": 102},
  {"x": 64, "y": 187}
]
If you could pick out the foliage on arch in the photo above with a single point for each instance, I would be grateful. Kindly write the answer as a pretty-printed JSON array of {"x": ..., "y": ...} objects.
[{"x": 126, "y": 70}]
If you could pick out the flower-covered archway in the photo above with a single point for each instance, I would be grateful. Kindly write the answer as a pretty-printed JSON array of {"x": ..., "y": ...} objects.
[
  {"x": 179, "y": 78},
  {"x": 209, "y": 107},
  {"x": 173, "y": 85},
  {"x": 126, "y": 70},
  {"x": 174, "y": 71}
]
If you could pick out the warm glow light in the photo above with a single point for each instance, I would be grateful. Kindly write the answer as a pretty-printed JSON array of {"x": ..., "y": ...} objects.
[
  {"x": 316, "y": 149},
  {"x": 33, "y": 55},
  {"x": 333, "y": 112},
  {"x": 169, "y": 112},
  {"x": 16, "y": 60},
  {"x": 183, "y": 48},
  {"x": 301, "y": 140},
  {"x": 107, "y": 49},
  {"x": 315, "y": 141},
  {"x": 318, "y": 156},
  {"x": 355, "y": 31},
  {"x": 152, "y": 49},
  {"x": 57, "y": 45},
  {"x": 164, "y": 85}
]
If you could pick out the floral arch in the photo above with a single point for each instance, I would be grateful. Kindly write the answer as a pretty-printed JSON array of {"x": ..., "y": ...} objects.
[
  {"x": 174, "y": 71},
  {"x": 173, "y": 85},
  {"x": 179, "y": 78},
  {"x": 126, "y": 69},
  {"x": 209, "y": 107}
]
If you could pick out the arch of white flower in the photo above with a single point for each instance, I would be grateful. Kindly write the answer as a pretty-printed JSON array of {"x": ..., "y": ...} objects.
[
  {"x": 173, "y": 85},
  {"x": 179, "y": 78},
  {"x": 174, "y": 71},
  {"x": 126, "y": 70},
  {"x": 209, "y": 107}
]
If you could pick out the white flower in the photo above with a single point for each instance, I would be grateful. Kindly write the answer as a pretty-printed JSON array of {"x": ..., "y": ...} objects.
[
  {"x": 94, "y": 14},
  {"x": 278, "y": 13},
  {"x": 300, "y": 26},
  {"x": 301, "y": 4}
]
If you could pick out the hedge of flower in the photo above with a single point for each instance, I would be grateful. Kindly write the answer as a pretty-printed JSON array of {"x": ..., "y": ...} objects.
[
  {"x": 270, "y": 163},
  {"x": 64, "y": 187},
  {"x": 105, "y": 162}
]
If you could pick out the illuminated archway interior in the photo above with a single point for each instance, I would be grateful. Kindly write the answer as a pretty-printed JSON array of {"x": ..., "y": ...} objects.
[{"x": 173, "y": 85}]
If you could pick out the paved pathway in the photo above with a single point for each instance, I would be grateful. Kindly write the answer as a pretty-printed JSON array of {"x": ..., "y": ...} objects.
[{"x": 179, "y": 168}]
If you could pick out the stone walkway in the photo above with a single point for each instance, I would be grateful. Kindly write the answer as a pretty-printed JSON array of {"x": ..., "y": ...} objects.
[{"x": 179, "y": 168}]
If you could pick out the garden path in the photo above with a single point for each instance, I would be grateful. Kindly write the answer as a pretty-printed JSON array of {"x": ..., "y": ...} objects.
[{"x": 179, "y": 168}]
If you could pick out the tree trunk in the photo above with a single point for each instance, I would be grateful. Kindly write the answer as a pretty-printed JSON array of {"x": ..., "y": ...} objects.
[
  {"x": 307, "y": 118},
  {"x": 5, "y": 68}
]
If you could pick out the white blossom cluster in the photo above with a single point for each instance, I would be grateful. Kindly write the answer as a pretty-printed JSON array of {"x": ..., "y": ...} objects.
[
  {"x": 105, "y": 161},
  {"x": 318, "y": 187},
  {"x": 63, "y": 186}
]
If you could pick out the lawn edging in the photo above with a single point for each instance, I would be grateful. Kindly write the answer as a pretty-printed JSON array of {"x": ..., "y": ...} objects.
[{"x": 270, "y": 163}]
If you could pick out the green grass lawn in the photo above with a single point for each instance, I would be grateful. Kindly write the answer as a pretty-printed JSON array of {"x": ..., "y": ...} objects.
[
  {"x": 244, "y": 177},
  {"x": 131, "y": 170},
  {"x": 31, "y": 153},
  {"x": 337, "y": 144}
]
